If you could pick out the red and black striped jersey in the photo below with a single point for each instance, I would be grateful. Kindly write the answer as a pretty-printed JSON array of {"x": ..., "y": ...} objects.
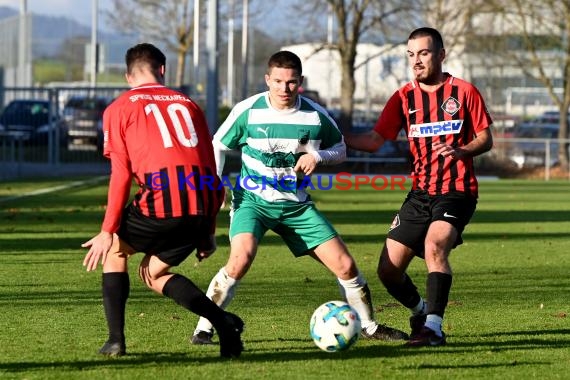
[
  {"x": 159, "y": 138},
  {"x": 454, "y": 113}
]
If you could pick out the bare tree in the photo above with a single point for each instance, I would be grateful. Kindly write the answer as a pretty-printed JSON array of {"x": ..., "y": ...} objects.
[
  {"x": 452, "y": 19},
  {"x": 355, "y": 21},
  {"x": 168, "y": 21},
  {"x": 533, "y": 38}
]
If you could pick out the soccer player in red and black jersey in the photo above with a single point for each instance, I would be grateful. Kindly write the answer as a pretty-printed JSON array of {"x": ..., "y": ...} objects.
[
  {"x": 159, "y": 138},
  {"x": 447, "y": 124}
]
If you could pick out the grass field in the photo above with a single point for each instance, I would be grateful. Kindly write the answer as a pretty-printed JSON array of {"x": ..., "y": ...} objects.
[{"x": 507, "y": 315}]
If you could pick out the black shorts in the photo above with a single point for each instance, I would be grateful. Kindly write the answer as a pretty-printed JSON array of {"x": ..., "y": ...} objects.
[
  {"x": 419, "y": 210},
  {"x": 172, "y": 240}
]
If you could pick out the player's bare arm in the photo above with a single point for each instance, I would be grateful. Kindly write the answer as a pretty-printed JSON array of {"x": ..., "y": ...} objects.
[
  {"x": 119, "y": 185},
  {"x": 482, "y": 143},
  {"x": 370, "y": 141}
]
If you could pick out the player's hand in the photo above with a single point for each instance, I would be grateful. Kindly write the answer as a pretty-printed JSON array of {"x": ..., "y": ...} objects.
[
  {"x": 445, "y": 150},
  {"x": 206, "y": 248},
  {"x": 306, "y": 164},
  {"x": 99, "y": 247}
]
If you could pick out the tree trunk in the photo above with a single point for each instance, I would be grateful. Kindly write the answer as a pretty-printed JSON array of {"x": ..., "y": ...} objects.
[
  {"x": 347, "y": 87},
  {"x": 563, "y": 134},
  {"x": 180, "y": 68}
]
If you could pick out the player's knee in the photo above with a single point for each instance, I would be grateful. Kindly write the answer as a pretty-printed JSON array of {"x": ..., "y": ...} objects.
[
  {"x": 387, "y": 272},
  {"x": 436, "y": 251}
]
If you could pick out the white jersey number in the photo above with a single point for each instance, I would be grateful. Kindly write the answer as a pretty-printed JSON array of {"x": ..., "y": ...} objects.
[{"x": 178, "y": 115}]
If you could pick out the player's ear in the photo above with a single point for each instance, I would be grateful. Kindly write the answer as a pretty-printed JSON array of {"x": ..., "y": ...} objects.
[
  {"x": 162, "y": 70},
  {"x": 267, "y": 80},
  {"x": 128, "y": 78}
]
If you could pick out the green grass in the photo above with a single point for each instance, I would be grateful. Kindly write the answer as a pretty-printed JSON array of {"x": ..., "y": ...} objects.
[
  {"x": 50, "y": 70},
  {"x": 507, "y": 316}
]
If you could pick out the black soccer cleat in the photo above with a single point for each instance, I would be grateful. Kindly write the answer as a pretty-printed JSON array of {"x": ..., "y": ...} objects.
[
  {"x": 417, "y": 322},
  {"x": 427, "y": 338},
  {"x": 202, "y": 337},
  {"x": 386, "y": 333},
  {"x": 231, "y": 345},
  {"x": 113, "y": 349}
]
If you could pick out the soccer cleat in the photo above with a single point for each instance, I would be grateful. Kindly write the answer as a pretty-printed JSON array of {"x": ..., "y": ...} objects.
[
  {"x": 230, "y": 336},
  {"x": 426, "y": 337},
  {"x": 384, "y": 332},
  {"x": 202, "y": 337},
  {"x": 113, "y": 349},
  {"x": 417, "y": 322}
]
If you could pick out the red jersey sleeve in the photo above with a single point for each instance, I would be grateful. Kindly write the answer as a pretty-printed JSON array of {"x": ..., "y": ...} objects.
[
  {"x": 113, "y": 135},
  {"x": 118, "y": 193},
  {"x": 478, "y": 111},
  {"x": 391, "y": 119}
]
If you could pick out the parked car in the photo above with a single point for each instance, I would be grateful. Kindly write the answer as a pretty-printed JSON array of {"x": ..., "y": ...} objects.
[
  {"x": 29, "y": 121},
  {"x": 83, "y": 117},
  {"x": 530, "y": 149},
  {"x": 548, "y": 117}
]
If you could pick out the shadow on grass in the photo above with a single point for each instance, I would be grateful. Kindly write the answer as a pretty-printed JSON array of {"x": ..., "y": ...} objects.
[
  {"x": 563, "y": 332},
  {"x": 50, "y": 244},
  {"x": 383, "y": 350}
]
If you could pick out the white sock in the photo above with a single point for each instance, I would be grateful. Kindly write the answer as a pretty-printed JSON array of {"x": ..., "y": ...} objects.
[
  {"x": 357, "y": 295},
  {"x": 433, "y": 322},
  {"x": 221, "y": 291},
  {"x": 420, "y": 308}
]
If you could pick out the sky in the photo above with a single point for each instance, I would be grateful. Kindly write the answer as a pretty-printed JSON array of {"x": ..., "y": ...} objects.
[{"x": 79, "y": 10}]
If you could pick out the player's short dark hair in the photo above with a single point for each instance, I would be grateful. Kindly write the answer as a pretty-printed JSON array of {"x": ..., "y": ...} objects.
[
  {"x": 145, "y": 53},
  {"x": 286, "y": 60},
  {"x": 428, "y": 32}
]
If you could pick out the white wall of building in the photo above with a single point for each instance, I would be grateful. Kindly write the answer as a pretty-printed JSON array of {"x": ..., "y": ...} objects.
[{"x": 380, "y": 71}]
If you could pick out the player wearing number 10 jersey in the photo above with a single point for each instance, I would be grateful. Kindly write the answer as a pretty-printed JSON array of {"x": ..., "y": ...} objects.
[{"x": 159, "y": 138}]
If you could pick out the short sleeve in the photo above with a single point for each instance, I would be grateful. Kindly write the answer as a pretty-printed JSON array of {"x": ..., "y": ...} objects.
[{"x": 391, "y": 119}]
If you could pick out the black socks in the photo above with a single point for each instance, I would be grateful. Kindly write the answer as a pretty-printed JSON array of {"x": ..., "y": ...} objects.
[
  {"x": 116, "y": 288},
  {"x": 186, "y": 294},
  {"x": 437, "y": 288}
]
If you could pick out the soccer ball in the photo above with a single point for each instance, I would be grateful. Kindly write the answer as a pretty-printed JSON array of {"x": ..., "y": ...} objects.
[{"x": 335, "y": 326}]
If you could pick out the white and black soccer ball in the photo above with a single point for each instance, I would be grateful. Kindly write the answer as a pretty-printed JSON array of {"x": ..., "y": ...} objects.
[{"x": 335, "y": 326}]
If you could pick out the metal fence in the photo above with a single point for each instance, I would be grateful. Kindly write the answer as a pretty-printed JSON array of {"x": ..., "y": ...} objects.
[
  {"x": 37, "y": 126},
  {"x": 60, "y": 152}
]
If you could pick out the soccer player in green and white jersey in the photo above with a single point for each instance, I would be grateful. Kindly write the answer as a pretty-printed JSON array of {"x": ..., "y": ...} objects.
[{"x": 283, "y": 137}]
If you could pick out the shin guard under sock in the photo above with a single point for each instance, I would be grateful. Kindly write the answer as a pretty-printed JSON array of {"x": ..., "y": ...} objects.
[
  {"x": 115, "y": 289},
  {"x": 406, "y": 293},
  {"x": 186, "y": 294},
  {"x": 438, "y": 287}
]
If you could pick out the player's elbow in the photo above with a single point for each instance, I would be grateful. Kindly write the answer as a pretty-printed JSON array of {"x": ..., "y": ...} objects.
[{"x": 488, "y": 144}]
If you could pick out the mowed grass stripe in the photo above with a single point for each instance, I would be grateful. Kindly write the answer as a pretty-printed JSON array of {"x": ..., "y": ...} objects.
[{"x": 507, "y": 315}]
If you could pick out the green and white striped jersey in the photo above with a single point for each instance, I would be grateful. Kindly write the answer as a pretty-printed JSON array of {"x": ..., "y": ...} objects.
[{"x": 271, "y": 141}]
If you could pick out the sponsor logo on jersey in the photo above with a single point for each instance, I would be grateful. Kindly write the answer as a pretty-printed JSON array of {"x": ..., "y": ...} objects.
[
  {"x": 264, "y": 131},
  {"x": 451, "y": 106},
  {"x": 435, "y": 129},
  {"x": 395, "y": 222}
]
